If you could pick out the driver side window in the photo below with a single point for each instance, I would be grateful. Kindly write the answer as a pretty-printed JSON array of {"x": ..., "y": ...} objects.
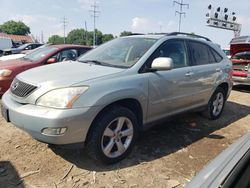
[{"x": 174, "y": 49}]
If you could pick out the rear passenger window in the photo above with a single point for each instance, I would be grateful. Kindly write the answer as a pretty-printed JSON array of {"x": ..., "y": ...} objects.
[
  {"x": 200, "y": 54},
  {"x": 217, "y": 57}
]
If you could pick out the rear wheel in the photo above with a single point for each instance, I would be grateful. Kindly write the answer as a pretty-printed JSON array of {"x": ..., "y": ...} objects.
[
  {"x": 113, "y": 135},
  {"x": 216, "y": 104}
]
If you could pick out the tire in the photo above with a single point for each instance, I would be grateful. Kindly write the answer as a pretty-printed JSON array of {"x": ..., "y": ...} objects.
[
  {"x": 113, "y": 135},
  {"x": 216, "y": 104}
]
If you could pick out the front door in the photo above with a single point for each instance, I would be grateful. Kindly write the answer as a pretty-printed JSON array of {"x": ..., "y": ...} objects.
[{"x": 170, "y": 91}]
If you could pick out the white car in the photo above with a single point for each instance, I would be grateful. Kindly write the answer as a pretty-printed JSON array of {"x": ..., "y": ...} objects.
[
  {"x": 5, "y": 43},
  {"x": 10, "y": 57}
]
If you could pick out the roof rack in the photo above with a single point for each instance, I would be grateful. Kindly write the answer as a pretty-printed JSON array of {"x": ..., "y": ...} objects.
[
  {"x": 188, "y": 34},
  {"x": 136, "y": 34}
]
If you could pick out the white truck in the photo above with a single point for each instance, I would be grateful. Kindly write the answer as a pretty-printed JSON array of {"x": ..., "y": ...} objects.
[{"x": 5, "y": 43}]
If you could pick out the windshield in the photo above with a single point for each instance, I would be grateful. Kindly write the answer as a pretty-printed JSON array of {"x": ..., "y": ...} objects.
[
  {"x": 22, "y": 46},
  {"x": 243, "y": 56},
  {"x": 120, "y": 52},
  {"x": 40, "y": 53}
]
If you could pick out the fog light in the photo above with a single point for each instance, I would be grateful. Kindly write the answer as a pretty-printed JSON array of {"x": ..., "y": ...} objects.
[{"x": 54, "y": 131}]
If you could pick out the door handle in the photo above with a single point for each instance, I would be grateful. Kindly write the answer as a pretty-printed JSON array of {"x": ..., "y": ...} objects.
[
  {"x": 189, "y": 73},
  {"x": 218, "y": 70}
]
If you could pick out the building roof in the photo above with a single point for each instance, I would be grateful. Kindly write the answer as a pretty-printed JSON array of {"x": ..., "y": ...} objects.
[{"x": 17, "y": 38}]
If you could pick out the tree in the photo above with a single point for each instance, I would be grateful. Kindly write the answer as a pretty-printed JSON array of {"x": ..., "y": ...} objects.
[
  {"x": 15, "y": 28},
  {"x": 55, "y": 39},
  {"x": 125, "y": 33},
  {"x": 77, "y": 36},
  {"x": 107, "y": 37}
]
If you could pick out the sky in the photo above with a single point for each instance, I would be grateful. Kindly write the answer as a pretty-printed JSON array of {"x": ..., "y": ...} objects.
[{"x": 115, "y": 16}]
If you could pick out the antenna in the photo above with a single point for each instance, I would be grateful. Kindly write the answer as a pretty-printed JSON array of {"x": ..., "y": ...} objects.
[
  {"x": 95, "y": 14},
  {"x": 64, "y": 22},
  {"x": 181, "y": 4}
]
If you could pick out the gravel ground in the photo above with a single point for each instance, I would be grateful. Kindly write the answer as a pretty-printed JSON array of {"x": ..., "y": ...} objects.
[{"x": 168, "y": 155}]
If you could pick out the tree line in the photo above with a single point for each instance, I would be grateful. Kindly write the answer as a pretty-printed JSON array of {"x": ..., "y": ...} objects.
[
  {"x": 83, "y": 37},
  {"x": 76, "y": 36}
]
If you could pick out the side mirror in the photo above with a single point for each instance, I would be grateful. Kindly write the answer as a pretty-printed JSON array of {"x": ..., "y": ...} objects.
[
  {"x": 51, "y": 60},
  {"x": 27, "y": 48},
  {"x": 162, "y": 63}
]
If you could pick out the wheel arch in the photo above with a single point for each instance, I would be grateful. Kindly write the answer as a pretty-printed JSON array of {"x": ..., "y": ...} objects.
[
  {"x": 225, "y": 87},
  {"x": 129, "y": 103}
]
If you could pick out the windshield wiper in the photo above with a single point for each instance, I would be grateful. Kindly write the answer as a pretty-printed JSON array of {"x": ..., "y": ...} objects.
[
  {"x": 100, "y": 63},
  {"x": 92, "y": 61}
]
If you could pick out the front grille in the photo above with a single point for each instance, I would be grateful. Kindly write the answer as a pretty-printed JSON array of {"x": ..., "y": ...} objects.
[{"x": 21, "y": 89}]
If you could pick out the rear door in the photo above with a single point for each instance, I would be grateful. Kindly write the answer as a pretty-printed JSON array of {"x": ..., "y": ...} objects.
[{"x": 206, "y": 70}]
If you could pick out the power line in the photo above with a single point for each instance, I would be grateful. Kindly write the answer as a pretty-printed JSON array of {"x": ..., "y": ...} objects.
[
  {"x": 180, "y": 13},
  {"x": 95, "y": 14}
]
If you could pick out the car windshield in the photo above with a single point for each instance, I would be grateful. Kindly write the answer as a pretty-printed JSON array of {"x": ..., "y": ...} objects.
[
  {"x": 120, "y": 52},
  {"x": 40, "y": 53},
  {"x": 22, "y": 46},
  {"x": 244, "y": 56}
]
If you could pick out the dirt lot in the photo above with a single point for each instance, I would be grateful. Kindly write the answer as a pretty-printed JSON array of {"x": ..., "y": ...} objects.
[{"x": 168, "y": 155}]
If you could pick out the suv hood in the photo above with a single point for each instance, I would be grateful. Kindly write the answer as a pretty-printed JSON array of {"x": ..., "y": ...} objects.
[{"x": 65, "y": 74}]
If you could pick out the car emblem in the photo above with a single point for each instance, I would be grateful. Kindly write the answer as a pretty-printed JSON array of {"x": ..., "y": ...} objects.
[{"x": 14, "y": 86}]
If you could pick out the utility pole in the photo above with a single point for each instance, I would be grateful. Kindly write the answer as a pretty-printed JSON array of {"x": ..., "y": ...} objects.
[
  {"x": 86, "y": 33},
  {"x": 64, "y": 22},
  {"x": 95, "y": 15},
  {"x": 42, "y": 37},
  {"x": 180, "y": 13}
]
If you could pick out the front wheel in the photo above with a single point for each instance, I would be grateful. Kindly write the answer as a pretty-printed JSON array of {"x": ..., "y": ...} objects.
[
  {"x": 216, "y": 104},
  {"x": 113, "y": 135}
]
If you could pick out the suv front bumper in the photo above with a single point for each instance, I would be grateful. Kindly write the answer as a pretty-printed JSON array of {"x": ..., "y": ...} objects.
[{"x": 33, "y": 119}]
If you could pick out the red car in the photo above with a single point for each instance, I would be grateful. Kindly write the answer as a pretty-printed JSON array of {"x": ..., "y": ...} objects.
[
  {"x": 50, "y": 54},
  {"x": 240, "y": 52}
]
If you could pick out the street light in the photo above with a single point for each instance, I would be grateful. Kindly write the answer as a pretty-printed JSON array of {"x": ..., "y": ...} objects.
[{"x": 221, "y": 17}]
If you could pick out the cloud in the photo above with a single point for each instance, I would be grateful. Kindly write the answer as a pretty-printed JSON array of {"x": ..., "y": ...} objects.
[
  {"x": 32, "y": 19},
  {"x": 243, "y": 20},
  {"x": 38, "y": 23},
  {"x": 85, "y": 4},
  {"x": 140, "y": 24},
  {"x": 147, "y": 25}
]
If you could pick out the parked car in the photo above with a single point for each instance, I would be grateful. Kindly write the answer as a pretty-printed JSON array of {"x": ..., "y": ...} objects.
[
  {"x": 240, "y": 51},
  {"x": 46, "y": 55},
  {"x": 10, "y": 57},
  {"x": 113, "y": 92},
  {"x": 21, "y": 49},
  {"x": 5, "y": 43},
  {"x": 230, "y": 169},
  {"x": 18, "y": 56}
]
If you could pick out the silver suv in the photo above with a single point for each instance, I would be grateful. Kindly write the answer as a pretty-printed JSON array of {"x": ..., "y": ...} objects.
[{"x": 110, "y": 94}]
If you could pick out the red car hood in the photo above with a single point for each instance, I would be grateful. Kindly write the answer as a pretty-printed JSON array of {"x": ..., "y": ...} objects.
[{"x": 10, "y": 64}]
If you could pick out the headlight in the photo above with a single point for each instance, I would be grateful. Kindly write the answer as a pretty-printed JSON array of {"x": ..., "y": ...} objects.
[
  {"x": 61, "y": 98},
  {"x": 5, "y": 72}
]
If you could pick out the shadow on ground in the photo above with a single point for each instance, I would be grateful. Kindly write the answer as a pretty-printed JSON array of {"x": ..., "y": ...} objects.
[
  {"x": 242, "y": 88},
  {"x": 9, "y": 177},
  {"x": 164, "y": 138}
]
